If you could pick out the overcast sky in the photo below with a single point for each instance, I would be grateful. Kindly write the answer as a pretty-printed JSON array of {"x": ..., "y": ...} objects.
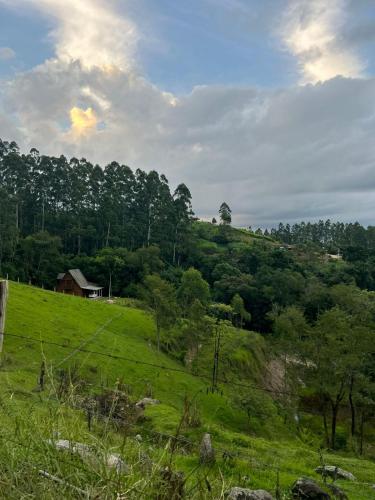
[{"x": 266, "y": 104}]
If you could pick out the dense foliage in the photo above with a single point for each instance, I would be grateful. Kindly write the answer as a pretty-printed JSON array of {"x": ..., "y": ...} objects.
[
  {"x": 54, "y": 205},
  {"x": 129, "y": 233},
  {"x": 332, "y": 236}
]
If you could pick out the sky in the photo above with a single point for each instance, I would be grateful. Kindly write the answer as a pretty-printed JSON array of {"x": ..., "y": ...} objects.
[{"x": 268, "y": 105}]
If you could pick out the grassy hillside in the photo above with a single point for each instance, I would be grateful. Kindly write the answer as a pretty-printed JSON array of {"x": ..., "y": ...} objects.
[{"x": 259, "y": 444}]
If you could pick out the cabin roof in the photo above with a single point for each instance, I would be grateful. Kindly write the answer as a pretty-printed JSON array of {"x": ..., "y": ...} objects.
[{"x": 80, "y": 279}]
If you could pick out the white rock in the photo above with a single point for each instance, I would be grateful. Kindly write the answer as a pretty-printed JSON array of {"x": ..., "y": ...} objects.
[
  {"x": 335, "y": 472},
  {"x": 147, "y": 402},
  {"x": 112, "y": 460},
  {"x": 246, "y": 494}
]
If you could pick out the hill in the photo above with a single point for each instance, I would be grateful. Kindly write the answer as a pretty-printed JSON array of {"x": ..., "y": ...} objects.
[{"x": 88, "y": 348}]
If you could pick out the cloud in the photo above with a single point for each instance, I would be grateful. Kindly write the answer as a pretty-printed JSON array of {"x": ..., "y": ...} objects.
[
  {"x": 300, "y": 152},
  {"x": 90, "y": 31},
  {"x": 6, "y": 53},
  {"x": 83, "y": 121},
  {"x": 305, "y": 151},
  {"x": 311, "y": 31}
]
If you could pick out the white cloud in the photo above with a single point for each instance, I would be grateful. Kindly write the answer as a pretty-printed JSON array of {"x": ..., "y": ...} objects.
[
  {"x": 311, "y": 31},
  {"x": 6, "y": 53},
  {"x": 90, "y": 31}
]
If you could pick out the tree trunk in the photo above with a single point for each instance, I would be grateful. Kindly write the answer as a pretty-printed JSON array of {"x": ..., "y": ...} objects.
[
  {"x": 110, "y": 286},
  {"x": 43, "y": 214},
  {"x": 17, "y": 216},
  {"x": 325, "y": 424},
  {"x": 108, "y": 233},
  {"x": 361, "y": 429},
  {"x": 149, "y": 226},
  {"x": 158, "y": 335},
  {"x": 174, "y": 253},
  {"x": 352, "y": 407},
  {"x": 174, "y": 246},
  {"x": 335, "y": 409}
]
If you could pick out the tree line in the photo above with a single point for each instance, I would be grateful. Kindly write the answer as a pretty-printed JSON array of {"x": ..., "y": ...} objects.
[
  {"x": 331, "y": 236},
  {"x": 87, "y": 207}
]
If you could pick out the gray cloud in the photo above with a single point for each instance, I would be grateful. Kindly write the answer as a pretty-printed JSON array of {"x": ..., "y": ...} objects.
[{"x": 303, "y": 152}]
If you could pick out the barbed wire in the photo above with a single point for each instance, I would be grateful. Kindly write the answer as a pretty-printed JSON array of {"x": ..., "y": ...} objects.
[
  {"x": 226, "y": 452},
  {"x": 155, "y": 365}
]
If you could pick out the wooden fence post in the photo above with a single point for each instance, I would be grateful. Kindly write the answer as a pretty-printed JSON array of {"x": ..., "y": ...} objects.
[{"x": 3, "y": 306}]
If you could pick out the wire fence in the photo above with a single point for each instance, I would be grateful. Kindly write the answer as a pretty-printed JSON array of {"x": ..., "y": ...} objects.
[
  {"x": 227, "y": 452},
  {"x": 155, "y": 365}
]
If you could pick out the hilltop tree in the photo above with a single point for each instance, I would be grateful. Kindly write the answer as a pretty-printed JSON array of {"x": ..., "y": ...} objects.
[
  {"x": 182, "y": 216},
  {"x": 225, "y": 214}
]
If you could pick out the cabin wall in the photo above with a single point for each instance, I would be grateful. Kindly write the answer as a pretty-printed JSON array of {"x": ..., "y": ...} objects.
[{"x": 68, "y": 286}]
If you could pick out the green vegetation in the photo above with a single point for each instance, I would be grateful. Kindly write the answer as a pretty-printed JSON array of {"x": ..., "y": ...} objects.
[
  {"x": 262, "y": 339},
  {"x": 236, "y": 426}
]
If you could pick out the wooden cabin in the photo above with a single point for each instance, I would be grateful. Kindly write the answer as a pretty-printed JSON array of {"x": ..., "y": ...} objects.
[{"x": 73, "y": 282}]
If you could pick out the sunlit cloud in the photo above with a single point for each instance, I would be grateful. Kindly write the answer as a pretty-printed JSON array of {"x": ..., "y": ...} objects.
[
  {"x": 89, "y": 31},
  {"x": 83, "y": 121},
  {"x": 311, "y": 32}
]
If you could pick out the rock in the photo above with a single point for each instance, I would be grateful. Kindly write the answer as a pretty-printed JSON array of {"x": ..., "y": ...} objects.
[
  {"x": 207, "y": 453},
  {"x": 335, "y": 472},
  {"x": 147, "y": 402},
  {"x": 308, "y": 489},
  {"x": 337, "y": 492},
  {"x": 83, "y": 450},
  {"x": 237, "y": 493},
  {"x": 112, "y": 460}
]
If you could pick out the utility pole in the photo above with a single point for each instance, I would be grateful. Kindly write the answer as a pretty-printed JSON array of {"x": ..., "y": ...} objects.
[{"x": 3, "y": 306}]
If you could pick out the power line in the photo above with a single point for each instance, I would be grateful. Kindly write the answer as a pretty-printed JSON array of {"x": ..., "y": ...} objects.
[{"x": 92, "y": 337}]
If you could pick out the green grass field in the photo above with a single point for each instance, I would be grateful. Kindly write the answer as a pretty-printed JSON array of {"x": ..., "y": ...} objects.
[{"x": 259, "y": 446}]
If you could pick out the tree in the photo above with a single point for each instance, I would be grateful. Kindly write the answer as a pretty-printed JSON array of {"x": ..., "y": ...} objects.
[
  {"x": 214, "y": 221},
  {"x": 196, "y": 326},
  {"x": 42, "y": 259},
  {"x": 225, "y": 214},
  {"x": 182, "y": 215},
  {"x": 239, "y": 310},
  {"x": 193, "y": 287},
  {"x": 160, "y": 296},
  {"x": 336, "y": 350},
  {"x": 290, "y": 329},
  {"x": 110, "y": 263}
]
